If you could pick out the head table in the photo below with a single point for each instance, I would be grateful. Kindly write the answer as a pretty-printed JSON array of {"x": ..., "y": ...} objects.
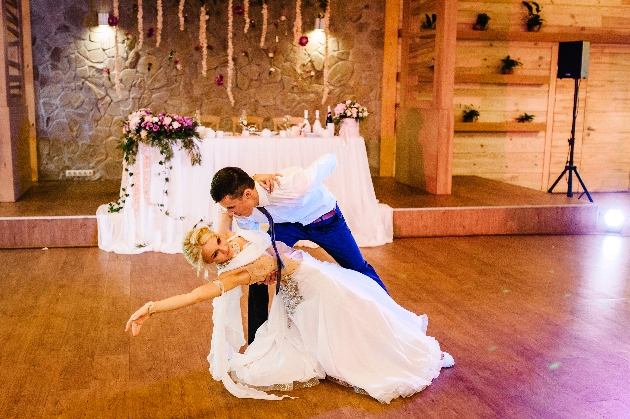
[{"x": 152, "y": 220}]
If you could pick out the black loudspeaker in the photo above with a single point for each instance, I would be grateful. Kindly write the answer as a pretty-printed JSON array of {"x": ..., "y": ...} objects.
[{"x": 573, "y": 60}]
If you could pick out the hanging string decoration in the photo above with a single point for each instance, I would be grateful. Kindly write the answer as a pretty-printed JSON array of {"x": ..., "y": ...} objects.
[
  {"x": 116, "y": 68},
  {"x": 297, "y": 33},
  {"x": 246, "y": 15},
  {"x": 180, "y": 14},
  {"x": 140, "y": 26},
  {"x": 326, "y": 51},
  {"x": 265, "y": 16},
  {"x": 203, "y": 40},
  {"x": 159, "y": 23},
  {"x": 230, "y": 52}
]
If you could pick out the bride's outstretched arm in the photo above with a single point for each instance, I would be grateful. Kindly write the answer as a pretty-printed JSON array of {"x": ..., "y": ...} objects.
[{"x": 229, "y": 280}]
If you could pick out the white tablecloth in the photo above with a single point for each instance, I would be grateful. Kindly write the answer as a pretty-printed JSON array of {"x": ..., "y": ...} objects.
[{"x": 142, "y": 225}]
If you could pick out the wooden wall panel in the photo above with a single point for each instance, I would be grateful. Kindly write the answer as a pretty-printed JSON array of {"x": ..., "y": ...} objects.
[
  {"x": 605, "y": 157},
  {"x": 507, "y": 156},
  {"x": 536, "y": 159}
]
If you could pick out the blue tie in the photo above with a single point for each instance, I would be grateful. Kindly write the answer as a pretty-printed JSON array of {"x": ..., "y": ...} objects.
[{"x": 273, "y": 243}]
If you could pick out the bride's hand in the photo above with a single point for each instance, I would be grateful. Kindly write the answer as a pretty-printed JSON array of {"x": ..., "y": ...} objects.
[{"x": 137, "y": 319}]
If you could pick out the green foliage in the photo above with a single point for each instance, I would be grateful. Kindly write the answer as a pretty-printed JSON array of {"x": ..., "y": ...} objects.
[
  {"x": 525, "y": 118},
  {"x": 509, "y": 64},
  {"x": 482, "y": 22},
  {"x": 470, "y": 114},
  {"x": 533, "y": 20},
  {"x": 429, "y": 21}
]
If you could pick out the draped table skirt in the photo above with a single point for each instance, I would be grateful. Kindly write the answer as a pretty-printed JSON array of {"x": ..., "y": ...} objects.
[{"x": 154, "y": 221}]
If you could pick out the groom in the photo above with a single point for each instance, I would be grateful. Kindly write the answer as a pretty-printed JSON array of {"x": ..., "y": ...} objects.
[{"x": 302, "y": 208}]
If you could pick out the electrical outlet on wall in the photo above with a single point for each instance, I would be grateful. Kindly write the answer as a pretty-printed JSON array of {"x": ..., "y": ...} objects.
[{"x": 79, "y": 173}]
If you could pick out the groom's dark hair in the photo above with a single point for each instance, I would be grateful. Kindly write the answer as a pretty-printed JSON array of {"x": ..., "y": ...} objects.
[{"x": 230, "y": 181}]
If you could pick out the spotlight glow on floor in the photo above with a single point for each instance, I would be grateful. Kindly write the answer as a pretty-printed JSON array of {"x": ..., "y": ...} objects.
[{"x": 614, "y": 220}]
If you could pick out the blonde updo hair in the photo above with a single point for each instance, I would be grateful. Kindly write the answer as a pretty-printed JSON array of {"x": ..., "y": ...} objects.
[{"x": 192, "y": 247}]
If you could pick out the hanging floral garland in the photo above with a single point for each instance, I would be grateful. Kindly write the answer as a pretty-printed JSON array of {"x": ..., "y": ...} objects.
[
  {"x": 264, "y": 24},
  {"x": 246, "y": 15},
  {"x": 116, "y": 68},
  {"x": 326, "y": 51},
  {"x": 159, "y": 23},
  {"x": 297, "y": 33},
  {"x": 140, "y": 27},
  {"x": 230, "y": 52},
  {"x": 203, "y": 42},
  {"x": 180, "y": 13}
]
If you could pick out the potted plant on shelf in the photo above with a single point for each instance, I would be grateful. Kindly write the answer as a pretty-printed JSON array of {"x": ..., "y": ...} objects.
[
  {"x": 509, "y": 64},
  {"x": 533, "y": 21},
  {"x": 429, "y": 21},
  {"x": 482, "y": 22},
  {"x": 525, "y": 117},
  {"x": 470, "y": 114}
]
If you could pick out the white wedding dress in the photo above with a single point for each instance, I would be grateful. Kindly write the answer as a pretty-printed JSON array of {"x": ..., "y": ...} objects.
[{"x": 337, "y": 323}]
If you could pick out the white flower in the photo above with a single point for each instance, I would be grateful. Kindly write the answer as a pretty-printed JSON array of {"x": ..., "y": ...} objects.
[
  {"x": 155, "y": 119},
  {"x": 134, "y": 121},
  {"x": 176, "y": 125},
  {"x": 143, "y": 134},
  {"x": 167, "y": 120}
]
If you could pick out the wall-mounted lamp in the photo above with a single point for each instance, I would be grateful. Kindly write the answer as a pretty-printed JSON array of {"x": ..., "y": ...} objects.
[
  {"x": 102, "y": 19},
  {"x": 320, "y": 24}
]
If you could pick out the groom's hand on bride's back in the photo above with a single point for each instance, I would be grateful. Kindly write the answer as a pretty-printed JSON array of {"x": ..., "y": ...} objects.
[
  {"x": 270, "y": 279},
  {"x": 268, "y": 181}
]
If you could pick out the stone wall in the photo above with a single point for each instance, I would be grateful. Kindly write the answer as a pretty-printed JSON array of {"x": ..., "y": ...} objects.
[{"x": 79, "y": 113}]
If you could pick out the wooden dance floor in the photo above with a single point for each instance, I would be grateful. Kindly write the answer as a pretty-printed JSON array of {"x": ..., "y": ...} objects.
[{"x": 537, "y": 324}]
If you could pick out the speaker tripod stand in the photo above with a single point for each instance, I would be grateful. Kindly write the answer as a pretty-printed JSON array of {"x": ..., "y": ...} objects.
[{"x": 570, "y": 167}]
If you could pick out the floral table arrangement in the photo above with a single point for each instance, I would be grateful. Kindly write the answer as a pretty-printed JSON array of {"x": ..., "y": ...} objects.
[
  {"x": 349, "y": 114},
  {"x": 162, "y": 131}
]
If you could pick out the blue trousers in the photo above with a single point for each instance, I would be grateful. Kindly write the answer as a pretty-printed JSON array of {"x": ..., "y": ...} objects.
[{"x": 332, "y": 235}]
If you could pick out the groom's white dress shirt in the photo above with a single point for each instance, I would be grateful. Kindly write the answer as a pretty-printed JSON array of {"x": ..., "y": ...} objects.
[{"x": 301, "y": 197}]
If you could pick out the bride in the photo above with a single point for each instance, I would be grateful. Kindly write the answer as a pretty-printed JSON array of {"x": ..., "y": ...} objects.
[{"x": 326, "y": 321}]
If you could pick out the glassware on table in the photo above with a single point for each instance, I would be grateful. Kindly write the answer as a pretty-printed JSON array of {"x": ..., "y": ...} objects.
[
  {"x": 242, "y": 120},
  {"x": 317, "y": 125}
]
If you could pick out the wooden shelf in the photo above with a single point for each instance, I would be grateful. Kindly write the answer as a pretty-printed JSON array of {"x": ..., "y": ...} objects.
[
  {"x": 542, "y": 36},
  {"x": 500, "y": 79},
  {"x": 425, "y": 34},
  {"x": 491, "y": 79},
  {"x": 500, "y": 126}
]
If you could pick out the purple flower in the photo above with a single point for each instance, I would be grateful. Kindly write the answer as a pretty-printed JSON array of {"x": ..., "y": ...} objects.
[
  {"x": 303, "y": 40},
  {"x": 150, "y": 32},
  {"x": 112, "y": 20},
  {"x": 219, "y": 80},
  {"x": 238, "y": 10},
  {"x": 155, "y": 127}
]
